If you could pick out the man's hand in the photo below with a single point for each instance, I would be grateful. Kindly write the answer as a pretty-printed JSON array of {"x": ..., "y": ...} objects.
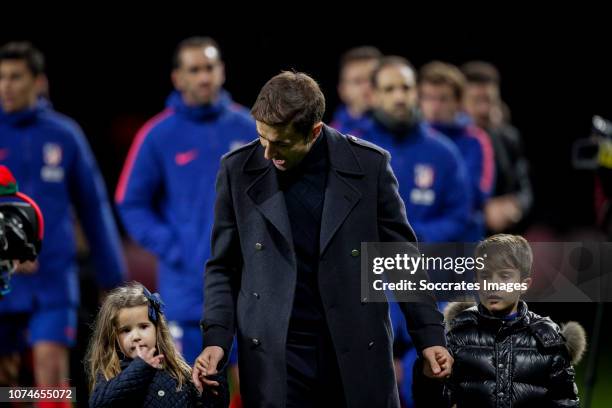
[
  {"x": 437, "y": 362},
  {"x": 27, "y": 267},
  {"x": 148, "y": 355},
  {"x": 502, "y": 212},
  {"x": 206, "y": 364}
]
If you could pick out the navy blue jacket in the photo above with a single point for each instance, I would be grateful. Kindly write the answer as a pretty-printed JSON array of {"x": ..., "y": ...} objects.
[
  {"x": 52, "y": 162},
  {"x": 432, "y": 181},
  {"x": 141, "y": 385},
  {"x": 166, "y": 192}
]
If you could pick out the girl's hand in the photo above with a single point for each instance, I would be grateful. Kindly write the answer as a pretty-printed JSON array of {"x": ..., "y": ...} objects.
[{"x": 148, "y": 356}]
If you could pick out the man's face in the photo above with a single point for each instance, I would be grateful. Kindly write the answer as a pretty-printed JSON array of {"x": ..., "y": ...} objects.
[
  {"x": 500, "y": 302},
  {"x": 18, "y": 86},
  {"x": 479, "y": 101},
  {"x": 200, "y": 75},
  {"x": 396, "y": 92},
  {"x": 355, "y": 87},
  {"x": 438, "y": 103},
  {"x": 284, "y": 146},
  {"x": 135, "y": 330}
]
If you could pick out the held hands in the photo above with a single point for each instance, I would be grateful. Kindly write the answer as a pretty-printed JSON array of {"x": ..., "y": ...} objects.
[
  {"x": 206, "y": 365},
  {"x": 437, "y": 362},
  {"x": 148, "y": 356}
]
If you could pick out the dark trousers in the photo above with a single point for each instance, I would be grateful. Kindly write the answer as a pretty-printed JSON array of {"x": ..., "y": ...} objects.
[{"x": 313, "y": 377}]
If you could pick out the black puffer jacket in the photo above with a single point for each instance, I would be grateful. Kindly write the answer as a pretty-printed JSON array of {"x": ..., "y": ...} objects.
[
  {"x": 522, "y": 363},
  {"x": 141, "y": 385}
]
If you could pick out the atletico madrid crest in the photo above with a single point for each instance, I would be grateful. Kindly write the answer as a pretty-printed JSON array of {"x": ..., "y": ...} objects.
[{"x": 424, "y": 175}]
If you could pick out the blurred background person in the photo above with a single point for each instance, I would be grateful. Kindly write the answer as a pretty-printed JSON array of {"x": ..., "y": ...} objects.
[
  {"x": 355, "y": 89},
  {"x": 51, "y": 158},
  {"x": 512, "y": 196},
  {"x": 441, "y": 88},
  {"x": 431, "y": 173},
  {"x": 166, "y": 191}
]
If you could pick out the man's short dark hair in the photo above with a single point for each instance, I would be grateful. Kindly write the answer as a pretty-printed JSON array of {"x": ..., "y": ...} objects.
[
  {"x": 507, "y": 251},
  {"x": 359, "y": 54},
  {"x": 25, "y": 51},
  {"x": 480, "y": 72},
  {"x": 193, "y": 42},
  {"x": 391, "y": 60},
  {"x": 442, "y": 73},
  {"x": 290, "y": 98}
]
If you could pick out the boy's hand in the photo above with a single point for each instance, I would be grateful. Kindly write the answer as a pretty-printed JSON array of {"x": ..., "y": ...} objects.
[
  {"x": 148, "y": 356},
  {"x": 438, "y": 362},
  {"x": 205, "y": 365}
]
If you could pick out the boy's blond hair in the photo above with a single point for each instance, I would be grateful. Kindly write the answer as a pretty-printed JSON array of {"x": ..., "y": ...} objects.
[{"x": 507, "y": 251}]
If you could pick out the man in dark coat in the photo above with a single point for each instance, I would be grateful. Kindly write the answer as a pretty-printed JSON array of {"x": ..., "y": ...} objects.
[{"x": 292, "y": 210}]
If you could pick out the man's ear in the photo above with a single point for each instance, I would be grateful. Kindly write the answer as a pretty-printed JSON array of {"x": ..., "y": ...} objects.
[
  {"x": 41, "y": 83},
  {"x": 174, "y": 77},
  {"x": 316, "y": 130}
]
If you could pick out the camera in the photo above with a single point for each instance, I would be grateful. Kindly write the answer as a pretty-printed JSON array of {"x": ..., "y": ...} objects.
[
  {"x": 18, "y": 232},
  {"x": 21, "y": 228},
  {"x": 595, "y": 151}
]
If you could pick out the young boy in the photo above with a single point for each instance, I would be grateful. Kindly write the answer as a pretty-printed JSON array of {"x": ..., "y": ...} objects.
[{"x": 506, "y": 355}]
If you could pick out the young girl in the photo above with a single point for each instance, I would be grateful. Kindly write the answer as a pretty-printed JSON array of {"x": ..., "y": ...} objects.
[{"x": 132, "y": 360}]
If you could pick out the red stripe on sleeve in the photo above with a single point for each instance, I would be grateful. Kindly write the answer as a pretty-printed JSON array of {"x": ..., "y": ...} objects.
[{"x": 134, "y": 149}]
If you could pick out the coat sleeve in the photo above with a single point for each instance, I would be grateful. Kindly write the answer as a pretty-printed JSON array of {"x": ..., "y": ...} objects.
[
  {"x": 222, "y": 277},
  {"x": 423, "y": 318},
  {"x": 91, "y": 203},
  {"x": 562, "y": 390},
  {"x": 137, "y": 197},
  {"x": 132, "y": 381}
]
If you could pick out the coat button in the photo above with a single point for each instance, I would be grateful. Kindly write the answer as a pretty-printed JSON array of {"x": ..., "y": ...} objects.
[
  {"x": 161, "y": 393},
  {"x": 255, "y": 342},
  {"x": 500, "y": 365},
  {"x": 259, "y": 246},
  {"x": 370, "y": 345},
  {"x": 500, "y": 394},
  {"x": 355, "y": 252},
  {"x": 256, "y": 295}
]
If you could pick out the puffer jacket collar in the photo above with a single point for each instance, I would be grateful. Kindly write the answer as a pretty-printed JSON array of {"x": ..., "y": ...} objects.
[{"x": 543, "y": 329}]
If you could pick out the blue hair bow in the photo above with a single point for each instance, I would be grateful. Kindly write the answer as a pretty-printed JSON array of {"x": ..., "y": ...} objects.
[{"x": 155, "y": 304}]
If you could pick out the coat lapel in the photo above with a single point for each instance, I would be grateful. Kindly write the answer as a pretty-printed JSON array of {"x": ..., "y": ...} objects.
[
  {"x": 266, "y": 195},
  {"x": 340, "y": 195}
]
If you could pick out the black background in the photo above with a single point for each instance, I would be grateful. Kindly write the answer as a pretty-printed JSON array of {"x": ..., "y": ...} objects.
[{"x": 555, "y": 75}]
